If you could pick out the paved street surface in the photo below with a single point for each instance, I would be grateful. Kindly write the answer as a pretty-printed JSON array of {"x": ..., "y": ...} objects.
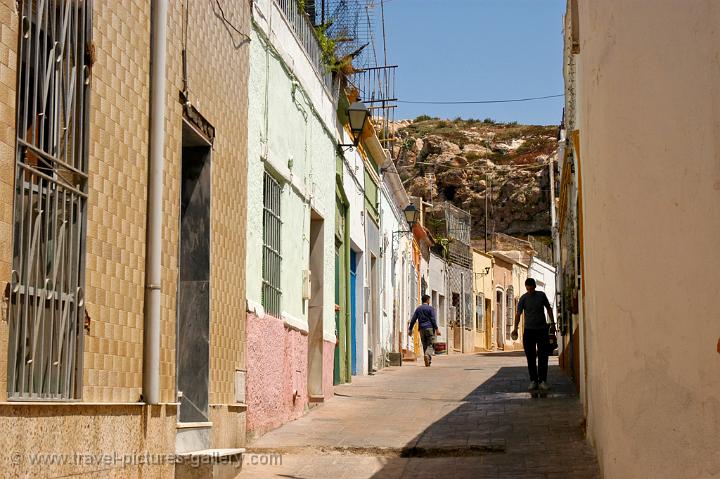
[{"x": 465, "y": 416}]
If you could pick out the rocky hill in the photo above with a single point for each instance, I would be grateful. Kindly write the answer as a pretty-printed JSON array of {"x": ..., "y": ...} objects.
[{"x": 462, "y": 161}]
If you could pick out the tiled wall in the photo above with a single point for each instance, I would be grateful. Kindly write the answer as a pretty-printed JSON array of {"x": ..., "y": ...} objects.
[
  {"x": 117, "y": 201},
  {"x": 8, "y": 71},
  {"x": 217, "y": 63},
  {"x": 119, "y": 121}
]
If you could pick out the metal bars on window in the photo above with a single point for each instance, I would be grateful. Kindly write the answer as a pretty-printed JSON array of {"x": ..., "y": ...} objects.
[
  {"x": 509, "y": 312},
  {"x": 272, "y": 258},
  {"x": 46, "y": 305}
]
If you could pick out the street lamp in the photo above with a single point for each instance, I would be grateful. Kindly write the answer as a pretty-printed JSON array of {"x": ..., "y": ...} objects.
[
  {"x": 485, "y": 273},
  {"x": 358, "y": 115},
  {"x": 412, "y": 215}
]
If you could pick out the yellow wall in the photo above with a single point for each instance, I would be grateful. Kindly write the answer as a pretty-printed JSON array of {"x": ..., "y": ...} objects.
[
  {"x": 649, "y": 122},
  {"x": 482, "y": 284}
]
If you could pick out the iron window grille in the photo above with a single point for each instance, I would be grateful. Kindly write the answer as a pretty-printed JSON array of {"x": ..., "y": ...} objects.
[
  {"x": 46, "y": 301},
  {"x": 509, "y": 312},
  {"x": 272, "y": 257}
]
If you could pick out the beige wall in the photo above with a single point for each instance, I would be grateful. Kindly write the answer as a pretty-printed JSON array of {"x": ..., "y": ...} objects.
[
  {"x": 649, "y": 120},
  {"x": 217, "y": 66},
  {"x": 502, "y": 278},
  {"x": 218, "y": 74},
  {"x": 483, "y": 284},
  {"x": 8, "y": 72}
]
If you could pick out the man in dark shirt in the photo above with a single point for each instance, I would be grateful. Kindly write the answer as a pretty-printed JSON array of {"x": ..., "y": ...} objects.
[
  {"x": 427, "y": 323},
  {"x": 535, "y": 334}
]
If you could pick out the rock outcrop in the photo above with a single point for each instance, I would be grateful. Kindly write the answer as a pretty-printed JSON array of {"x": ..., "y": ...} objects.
[{"x": 465, "y": 161}]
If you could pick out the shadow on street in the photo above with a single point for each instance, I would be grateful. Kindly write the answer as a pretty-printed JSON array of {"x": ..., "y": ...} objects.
[{"x": 499, "y": 430}]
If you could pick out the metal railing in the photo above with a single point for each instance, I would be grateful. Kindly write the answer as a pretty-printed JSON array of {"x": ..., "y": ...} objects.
[
  {"x": 46, "y": 307},
  {"x": 376, "y": 86},
  {"x": 304, "y": 30}
]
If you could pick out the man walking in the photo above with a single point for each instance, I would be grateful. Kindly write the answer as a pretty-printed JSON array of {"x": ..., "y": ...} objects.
[
  {"x": 535, "y": 334},
  {"x": 427, "y": 322}
]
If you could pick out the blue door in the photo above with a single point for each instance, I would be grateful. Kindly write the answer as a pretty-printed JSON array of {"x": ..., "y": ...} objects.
[{"x": 353, "y": 310}]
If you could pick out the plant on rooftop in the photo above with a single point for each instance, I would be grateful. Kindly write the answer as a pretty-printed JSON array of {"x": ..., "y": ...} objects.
[{"x": 328, "y": 47}]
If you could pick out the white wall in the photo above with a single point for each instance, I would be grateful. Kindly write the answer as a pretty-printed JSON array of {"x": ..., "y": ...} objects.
[
  {"x": 438, "y": 282},
  {"x": 390, "y": 221},
  {"x": 353, "y": 184},
  {"x": 544, "y": 275},
  {"x": 292, "y": 126}
]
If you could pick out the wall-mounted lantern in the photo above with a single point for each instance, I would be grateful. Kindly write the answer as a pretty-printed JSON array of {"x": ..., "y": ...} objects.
[{"x": 358, "y": 115}]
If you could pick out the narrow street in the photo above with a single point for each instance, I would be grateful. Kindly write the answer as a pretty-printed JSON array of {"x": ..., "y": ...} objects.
[{"x": 465, "y": 416}]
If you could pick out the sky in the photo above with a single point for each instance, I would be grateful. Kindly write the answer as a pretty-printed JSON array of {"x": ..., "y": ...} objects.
[{"x": 470, "y": 50}]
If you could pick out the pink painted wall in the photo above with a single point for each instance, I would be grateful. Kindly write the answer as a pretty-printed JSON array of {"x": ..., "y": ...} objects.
[
  {"x": 328, "y": 365},
  {"x": 276, "y": 367}
]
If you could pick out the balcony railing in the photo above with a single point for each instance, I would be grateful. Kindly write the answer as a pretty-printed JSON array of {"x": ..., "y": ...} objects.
[{"x": 304, "y": 30}]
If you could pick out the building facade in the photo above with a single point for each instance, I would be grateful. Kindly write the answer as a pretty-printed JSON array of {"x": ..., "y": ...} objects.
[
  {"x": 483, "y": 278},
  {"x": 296, "y": 225},
  {"x": 108, "y": 245},
  {"x": 648, "y": 109},
  {"x": 509, "y": 276}
]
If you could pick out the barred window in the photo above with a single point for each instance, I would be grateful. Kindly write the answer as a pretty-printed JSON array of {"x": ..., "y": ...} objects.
[
  {"x": 272, "y": 258},
  {"x": 46, "y": 310},
  {"x": 509, "y": 313}
]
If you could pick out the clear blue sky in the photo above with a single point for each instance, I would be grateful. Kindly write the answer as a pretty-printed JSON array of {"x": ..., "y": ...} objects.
[{"x": 477, "y": 50}]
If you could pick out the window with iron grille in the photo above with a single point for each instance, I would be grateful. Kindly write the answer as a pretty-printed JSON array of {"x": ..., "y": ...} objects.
[
  {"x": 272, "y": 258},
  {"x": 509, "y": 312},
  {"x": 46, "y": 310},
  {"x": 480, "y": 313}
]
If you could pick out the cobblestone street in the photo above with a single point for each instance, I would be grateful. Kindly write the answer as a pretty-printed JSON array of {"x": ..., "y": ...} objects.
[{"x": 466, "y": 416}]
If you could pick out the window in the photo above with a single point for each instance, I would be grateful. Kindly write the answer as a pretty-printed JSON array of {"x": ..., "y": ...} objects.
[
  {"x": 46, "y": 311},
  {"x": 271, "y": 291},
  {"x": 480, "y": 313},
  {"x": 372, "y": 196},
  {"x": 441, "y": 310},
  {"x": 509, "y": 312}
]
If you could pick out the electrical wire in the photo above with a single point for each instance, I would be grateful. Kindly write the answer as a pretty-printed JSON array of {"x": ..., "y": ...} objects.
[
  {"x": 481, "y": 102},
  {"x": 228, "y": 23}
]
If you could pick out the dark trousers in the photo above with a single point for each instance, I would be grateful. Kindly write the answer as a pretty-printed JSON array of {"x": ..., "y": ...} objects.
[
  {"x": 426, "y": 336},
  {"x": 535, "y": 342}
]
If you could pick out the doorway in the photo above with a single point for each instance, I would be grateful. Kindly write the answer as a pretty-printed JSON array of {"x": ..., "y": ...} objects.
[
  {"x": 372, "y": 311},
  {"x": 353, "y": 310},
  {"x": 488, "y": 323},
  {"x": 457, "y": 322},
  {"x": 315, "y": 308},
  {"x": 193, "y": 293},
  {"x": 499, "y": 337}
]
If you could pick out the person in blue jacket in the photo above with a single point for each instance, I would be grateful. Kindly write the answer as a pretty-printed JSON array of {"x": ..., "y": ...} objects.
[{"x": 427, "y": 323}]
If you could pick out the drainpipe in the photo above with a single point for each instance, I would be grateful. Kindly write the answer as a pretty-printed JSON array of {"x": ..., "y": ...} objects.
[{"x": 151, "y": 331}]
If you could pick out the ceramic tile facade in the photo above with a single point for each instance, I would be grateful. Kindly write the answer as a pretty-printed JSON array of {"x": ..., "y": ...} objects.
[{"x": 217, "y": 59}]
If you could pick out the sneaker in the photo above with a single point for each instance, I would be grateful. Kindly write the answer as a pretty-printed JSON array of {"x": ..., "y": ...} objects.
[
  {"x": 427, "y": 360},
  {"x": 533, "y": 386},
  {"x": 543, "y": 386}
]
